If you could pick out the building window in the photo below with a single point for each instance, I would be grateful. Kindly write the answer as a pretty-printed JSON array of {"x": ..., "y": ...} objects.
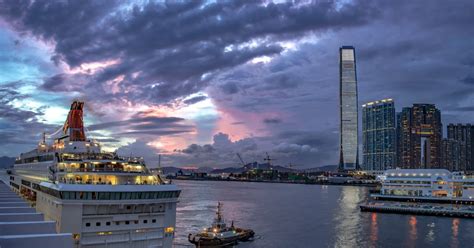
[
  {"x": 145, "y": 221},
  {"x": 117, "y": 223},
  {"x": 127, "y": 222},
  {"x": 97, "y": 223},
  {"x": 153, "y": 221},
  {"x": 88, "y": 224},
  {"x": 136, "y": 222},
  {"x": 107, "y": 223},
  {"x": 129, "y": 207}
]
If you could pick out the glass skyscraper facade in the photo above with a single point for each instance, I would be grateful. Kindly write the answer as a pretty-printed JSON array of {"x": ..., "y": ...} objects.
[
  {"x": 378, "y": 135},
  {"x": 349, "y": 151}
]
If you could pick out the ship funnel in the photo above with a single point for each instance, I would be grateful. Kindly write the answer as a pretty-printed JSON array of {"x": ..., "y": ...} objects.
[{"x": 74, "y": 122}]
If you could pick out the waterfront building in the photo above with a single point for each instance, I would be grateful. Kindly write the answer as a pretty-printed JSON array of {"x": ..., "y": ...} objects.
[
  {"x": 425, "y": 184},
  {"x": 348, "y": 133},
  {"x": 419, "y": 131},
  {"x": 102, "y": 199},
  {"x": 463, "y": 135},
  {"x": 378, "y": 135}
]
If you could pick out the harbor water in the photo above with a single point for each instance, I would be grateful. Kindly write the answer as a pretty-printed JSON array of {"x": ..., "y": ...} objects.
[{"x": 294, "y": 215}]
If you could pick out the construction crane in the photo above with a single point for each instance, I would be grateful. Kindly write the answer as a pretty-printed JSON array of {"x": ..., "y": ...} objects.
[
  {"x": 268, "y": 159},
  {"x": 241, "y": 160}
]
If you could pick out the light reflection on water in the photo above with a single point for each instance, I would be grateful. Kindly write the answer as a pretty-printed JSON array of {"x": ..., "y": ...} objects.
[
  {"x": 347, "y": 218},
  {"x": 288, "y": 215}
]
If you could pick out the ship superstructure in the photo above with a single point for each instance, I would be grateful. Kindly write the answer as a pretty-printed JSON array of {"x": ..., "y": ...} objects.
[{"x": 103, "y": 199}]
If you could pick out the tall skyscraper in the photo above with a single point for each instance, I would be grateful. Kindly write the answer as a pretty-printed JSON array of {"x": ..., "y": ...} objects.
[
  {"x": 463, "y": 134},
  {"x": 419, "y": 137},
  {"x": 378, "y": 135},
  {"x": 349, "y": 140}
]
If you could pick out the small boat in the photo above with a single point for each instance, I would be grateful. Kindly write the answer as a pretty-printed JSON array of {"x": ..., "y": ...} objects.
[{"x": 219, "y": 235}]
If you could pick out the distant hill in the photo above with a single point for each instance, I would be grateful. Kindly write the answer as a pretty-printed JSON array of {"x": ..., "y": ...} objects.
[
  {"x": 264, "y": 166},
  {"x": 322, "y": 168},
  {"x": 228, "y": 170},
  {"x": 6, "y": 162}
]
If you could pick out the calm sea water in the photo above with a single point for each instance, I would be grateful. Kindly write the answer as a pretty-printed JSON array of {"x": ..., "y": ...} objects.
[{"x": 291, "y": 215}]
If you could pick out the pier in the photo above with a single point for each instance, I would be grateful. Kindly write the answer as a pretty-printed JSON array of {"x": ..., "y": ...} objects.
[{"x": 433, "y": 210}]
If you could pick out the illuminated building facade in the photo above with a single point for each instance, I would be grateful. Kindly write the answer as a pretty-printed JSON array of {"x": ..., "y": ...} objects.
[
  {"x": 378, "y": 135},
  {"x": 348, "y": 132},
  {"x": 419, "y": 132},
  {"x": 460, "y": 152}
]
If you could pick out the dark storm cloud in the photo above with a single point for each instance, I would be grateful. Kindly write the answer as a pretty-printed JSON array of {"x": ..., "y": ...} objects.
[
  {"x": 156, "y": 132},
  {"x": 469, "y": 80},
  {"x": 272, "y": 120},
  {"x": 194, "y": 148},
  {"x": 146, "y": 126},
  {"x": 170, "y": 46},
  {"x": 412, "y": 52},
  {"x": 229, "y": 88},
  {"x": 195, "y": 99},
  {"x": 158, "y": 122}
]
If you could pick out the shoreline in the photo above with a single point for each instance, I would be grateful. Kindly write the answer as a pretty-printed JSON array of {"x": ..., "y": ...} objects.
[{"x": 282, "y": 182}]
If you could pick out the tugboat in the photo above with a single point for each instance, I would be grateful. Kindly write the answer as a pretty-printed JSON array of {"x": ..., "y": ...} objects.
[{"x": 219, "y": 235}]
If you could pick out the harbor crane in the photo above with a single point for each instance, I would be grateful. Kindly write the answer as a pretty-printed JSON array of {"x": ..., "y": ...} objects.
[
  {"x": 268, "y": 159},
  {"x": 241, "y": 160}
]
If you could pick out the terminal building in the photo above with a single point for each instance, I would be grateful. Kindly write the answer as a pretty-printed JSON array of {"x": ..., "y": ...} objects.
[{"x": 426, "y": 184}]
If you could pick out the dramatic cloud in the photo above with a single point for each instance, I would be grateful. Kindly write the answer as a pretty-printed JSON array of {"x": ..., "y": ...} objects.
[{"x": 199, "y": 81}]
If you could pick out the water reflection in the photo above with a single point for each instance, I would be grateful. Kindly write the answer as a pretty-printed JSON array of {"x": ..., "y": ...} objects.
[
  {"x": 348, "y": 218},
  {"x": 455, "y": 230},
  {"x": 412, "y": 233},
  {"x": 373, "y": 230}
]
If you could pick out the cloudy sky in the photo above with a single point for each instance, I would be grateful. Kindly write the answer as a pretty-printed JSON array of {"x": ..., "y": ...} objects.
[{"x": 200, "y": 81}]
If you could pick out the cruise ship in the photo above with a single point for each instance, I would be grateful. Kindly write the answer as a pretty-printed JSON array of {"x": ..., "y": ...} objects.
[{"x": 103, "y": 199}]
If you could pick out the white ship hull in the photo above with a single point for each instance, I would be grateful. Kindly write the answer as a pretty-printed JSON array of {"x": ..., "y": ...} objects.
[{"x": 111, "y": 218}]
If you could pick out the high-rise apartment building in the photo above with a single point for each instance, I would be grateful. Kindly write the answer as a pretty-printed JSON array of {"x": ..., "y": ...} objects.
[
  {"x": 378, "y": 135},
  {"x": 419, "y": 137},
  {"x": 451, "y": 154},
  {"x": 349, "y": 140},
  {"x": 463, "y": 136}
]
